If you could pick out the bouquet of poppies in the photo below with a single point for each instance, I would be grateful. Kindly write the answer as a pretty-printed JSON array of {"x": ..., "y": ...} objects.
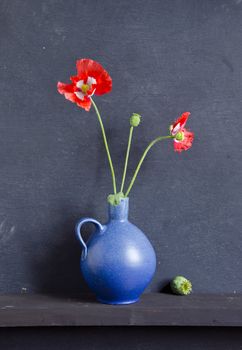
[{"x": 92, "y": 79}]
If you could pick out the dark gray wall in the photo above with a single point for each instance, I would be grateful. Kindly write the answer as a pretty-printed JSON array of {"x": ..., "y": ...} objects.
[{"x": 165, "y": 57}]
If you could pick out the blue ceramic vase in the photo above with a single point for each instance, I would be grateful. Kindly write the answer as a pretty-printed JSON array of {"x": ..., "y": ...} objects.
[{"x": 118, "y": 261}]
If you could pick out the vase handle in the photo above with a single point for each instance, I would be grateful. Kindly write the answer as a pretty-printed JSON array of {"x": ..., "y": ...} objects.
[{"x": 79, "y": 236}]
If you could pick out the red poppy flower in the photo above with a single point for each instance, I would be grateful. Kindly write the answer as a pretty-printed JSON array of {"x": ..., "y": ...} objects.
[
  {"x": 91, "y": 79},
  {"x": 182, "y": 137}
]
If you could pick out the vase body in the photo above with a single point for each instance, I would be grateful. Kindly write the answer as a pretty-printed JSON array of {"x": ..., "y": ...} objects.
[{"x": 118, "y": 261}]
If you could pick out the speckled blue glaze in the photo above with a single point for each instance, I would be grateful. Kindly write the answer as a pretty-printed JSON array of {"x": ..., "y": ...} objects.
[{"x": 118, "y": 261}]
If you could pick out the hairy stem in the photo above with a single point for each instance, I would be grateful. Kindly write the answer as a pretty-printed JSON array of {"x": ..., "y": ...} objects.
[
  {"x": 106, "y": 145},
  {"x": 127, "y": 158},
  {"x": 160, "y": 138}
]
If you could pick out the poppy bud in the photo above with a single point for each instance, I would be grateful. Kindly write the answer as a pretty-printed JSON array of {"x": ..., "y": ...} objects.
[
  {"x": 135, "y": 119},
  {"x": 181, "y": 285},
  {"x": 179, "y": 136}
]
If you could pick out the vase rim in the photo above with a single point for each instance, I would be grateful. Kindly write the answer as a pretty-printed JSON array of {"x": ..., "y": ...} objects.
[
  {"x": 125, "y": 199},
  {"x": 119, "y": 211}
]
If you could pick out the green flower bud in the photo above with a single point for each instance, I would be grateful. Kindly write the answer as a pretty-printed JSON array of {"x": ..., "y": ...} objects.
[
  {"x": 135, "y": 119},
  {"x": 179, "y": 136},
  {"x": 181, "y": 285}
]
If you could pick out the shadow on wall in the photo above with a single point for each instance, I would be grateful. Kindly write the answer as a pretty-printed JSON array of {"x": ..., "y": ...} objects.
[{"x": 59, "y": 270}]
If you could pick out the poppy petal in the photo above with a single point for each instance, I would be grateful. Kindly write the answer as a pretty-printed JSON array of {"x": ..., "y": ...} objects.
[
  {"x": 80, "y": 95},
  {"x": 180, "y": 123},
  {"x": 86, "y": 103},
  {"x": 66, "y": 90}
]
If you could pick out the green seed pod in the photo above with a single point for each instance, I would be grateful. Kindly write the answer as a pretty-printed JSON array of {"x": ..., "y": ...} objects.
[
  {"x": 179, "y": 136},
  {"x": 135, "y": 119},
  {"x": 181, "y": 285}
]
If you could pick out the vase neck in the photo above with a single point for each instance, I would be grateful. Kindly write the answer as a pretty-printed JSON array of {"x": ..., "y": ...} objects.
[{"x": 119, "y": 212}]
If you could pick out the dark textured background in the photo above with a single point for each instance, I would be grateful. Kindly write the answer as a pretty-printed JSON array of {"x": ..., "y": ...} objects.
[{"x": 165, "y": 57}]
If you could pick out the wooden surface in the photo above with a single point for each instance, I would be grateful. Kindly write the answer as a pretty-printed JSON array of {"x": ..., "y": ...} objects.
[{"x": 153, "y": 310}]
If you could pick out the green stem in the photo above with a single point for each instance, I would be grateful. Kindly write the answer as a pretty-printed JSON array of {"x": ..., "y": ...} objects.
[
  {"x": 106, "y": 145},
  {"x": 127, "y": 158},
  {"x": 160, "y": 138}
]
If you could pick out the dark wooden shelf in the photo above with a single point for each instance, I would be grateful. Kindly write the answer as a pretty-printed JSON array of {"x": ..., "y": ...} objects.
[{"x": 153, "y": 309}]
